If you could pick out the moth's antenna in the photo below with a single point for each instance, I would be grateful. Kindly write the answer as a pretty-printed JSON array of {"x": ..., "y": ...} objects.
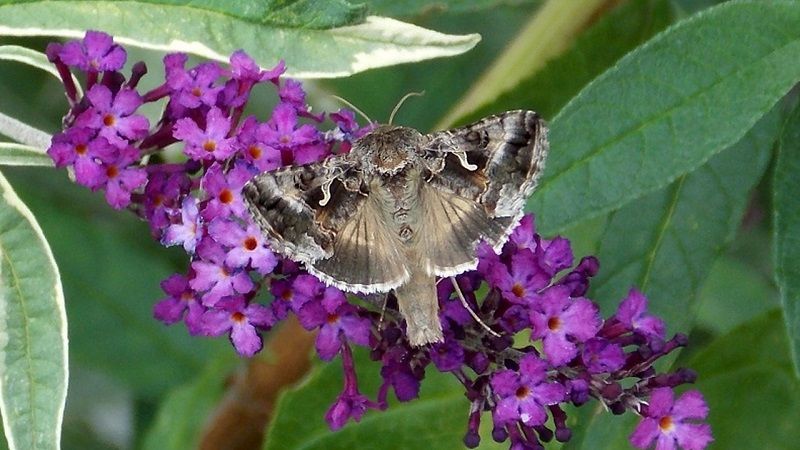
[
  {"x": 471, "y": 312},
  {"x": 353, "y": 106},
  {"x": 400, "y": 103}
]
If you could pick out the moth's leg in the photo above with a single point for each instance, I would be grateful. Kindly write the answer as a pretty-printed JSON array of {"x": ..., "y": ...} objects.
[{"x": 471, "y": 312}]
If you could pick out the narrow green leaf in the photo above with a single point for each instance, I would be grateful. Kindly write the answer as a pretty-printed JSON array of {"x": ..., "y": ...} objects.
[
  {"x": 667, "y": 107},
  {"x": 666, "y": 242},
  {"x": 98, "y": 249},
  {"x": 214, "y": 33},
  {"x": 750, "y": 386},
  {"x": 787, "y": 231},
  {"x": 186, "y": 408},
  {"x": 437, "y": 419},
  {"x": 24, "y": 133},
  {"x": 33, "y": 330},
  {"x": 12, "y": 154},
  {"x": 617, "y": 33}
]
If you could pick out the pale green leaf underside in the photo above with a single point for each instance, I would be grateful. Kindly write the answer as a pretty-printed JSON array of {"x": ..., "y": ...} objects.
[
  {"x": 33, "y": 331},
  {"x": 787, "y": 231},
  {"x": 667, "y": 107},
  {"x": 12, "y": 154},
  {"x": 309, "y": 53}
]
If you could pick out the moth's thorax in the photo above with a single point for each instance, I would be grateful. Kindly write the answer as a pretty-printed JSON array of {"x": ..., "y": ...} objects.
[{"x": 388, "y": 149}]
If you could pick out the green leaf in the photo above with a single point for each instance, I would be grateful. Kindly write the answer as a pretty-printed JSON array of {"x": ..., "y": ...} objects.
[
  {"x": 33, "y": 330},
  {"x": 24, "y": 133},
  {"x": 667, "y": 107},
  {"x": 787, "y": 230},
  {"x": 437, "y": 419},
  {"x": 214, "y": 33},
  {"x": 284, "y": 13},
  {"x": 409, "y": 8},
  {"x": 111, "y": 272},
  {"x": 12, "y": 154},
  {"x": 733, "y": 294},
  {"x": 666, "y": 242},
  {"x": 618, "y": 32},
  {"x": 749, "y": 383},
  {"x": 186, "y": 409}
]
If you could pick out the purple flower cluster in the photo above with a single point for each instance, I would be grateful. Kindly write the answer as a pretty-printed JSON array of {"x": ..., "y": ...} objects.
[
  {"x": 548, "y": 345},
  {"x": 195, "y": 202}
]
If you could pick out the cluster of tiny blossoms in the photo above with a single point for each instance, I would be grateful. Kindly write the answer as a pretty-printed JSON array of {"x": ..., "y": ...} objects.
[{"x": 549, "y": 346}]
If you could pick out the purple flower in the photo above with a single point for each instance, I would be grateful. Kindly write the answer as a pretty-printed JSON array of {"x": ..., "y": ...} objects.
[
  {"x": 96, "y": 52},
  {"x": 234, "y": 316},
  {"x": 523, "y": 395},
  {"x": 188, "y": 231},
  {"x": 79, "y": 148},
  {"x": 209, "y": 144},
  {"x": 447, "y": 356},
  {"x": 632, "y": 312},
  {"x": 555, "y": 255},
  {"x": 336, "y": 320},
  {"x": 523, "y": 281},
  {"x": 397, "y": 372},
  {"x": 182, "y": 299},
  {"x": 252, "y": 147},
  {"x": 243, "y": 67},
  {"x": 667, "y": 422},
  {"x": 298, "y": 144},
  {"x": 246, "y": 246},
  {"x": 113, "y": 115},
  {"x": 602, "y": 356},
  {"x": 161, "y": 193},
  {"x": 351, "y": 403},
  {"x": 224, "y": 192},
  {"x": 561, "y": 321},
  {"x": 120, "y": 177},
  {"x": 214, "y": 277},
  {"x": 195, "y": 87}
]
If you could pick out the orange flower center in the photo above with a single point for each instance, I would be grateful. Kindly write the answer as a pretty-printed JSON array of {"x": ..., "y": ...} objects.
[
  {"x": 226, "y": 196},
  {"x": 109, "y": 120},
  {"x": 250, "y": 243},
  {"x": 254, "y": 151},
  {"x": 210, "y": 145},
  {"x": 81, "y": 149},
  {"x": 197, "y": 92},
  {"x": 237, "y": 317},
  {"x": 665, "y": 423},
  {"x": 522, "y": 392},
  {"x": 333, "y": 318},
  {"x": 112, "y": 171},
  {"x": 553, "y": 323},
  {"x": 518, "y": 290}
]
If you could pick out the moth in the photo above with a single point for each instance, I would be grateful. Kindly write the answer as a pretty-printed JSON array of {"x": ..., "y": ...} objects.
[{"x": 402, "y": 208}]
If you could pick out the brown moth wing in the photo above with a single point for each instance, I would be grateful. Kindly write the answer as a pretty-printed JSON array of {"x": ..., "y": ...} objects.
[
  {"x": 453, "y": 225},
  {"x": 335, "y": 237},
  {"x": 481, "y": 176}
]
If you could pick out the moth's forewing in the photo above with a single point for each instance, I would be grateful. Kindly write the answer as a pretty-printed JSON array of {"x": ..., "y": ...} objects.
[{"x": 342, "y": 239}]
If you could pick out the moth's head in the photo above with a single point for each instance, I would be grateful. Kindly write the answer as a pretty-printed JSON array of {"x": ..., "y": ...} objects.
[{"x": 388, "y": 149}]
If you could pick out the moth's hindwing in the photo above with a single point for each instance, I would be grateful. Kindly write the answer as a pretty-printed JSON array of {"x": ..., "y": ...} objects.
[
  {"x": 340, "y": 239},
  {"x": 452, "y": 227}
]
